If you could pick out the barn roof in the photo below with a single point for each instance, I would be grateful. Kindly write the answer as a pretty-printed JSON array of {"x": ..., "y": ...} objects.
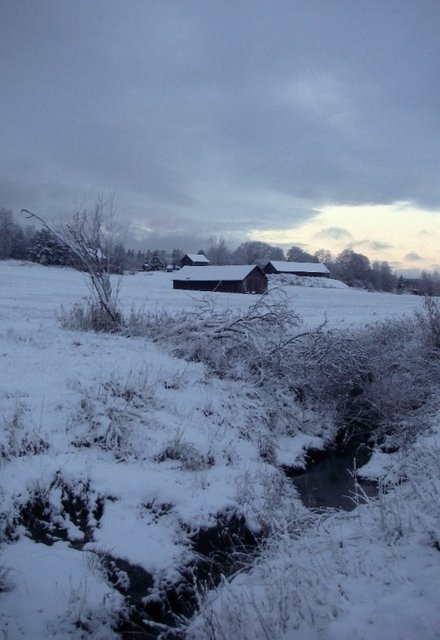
[
  {"x": 197, "y": 257},
  {"x": 294, "y": 267},
  {"x": 227, "y": 273}
]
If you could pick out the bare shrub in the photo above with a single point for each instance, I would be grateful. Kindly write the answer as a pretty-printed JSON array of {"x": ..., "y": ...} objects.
[
  {"x": 15, "y": 439},
  {"x": 232, "y": 344},
  {"x": 370, "y": 378},
  {"x": 365, "y": 381},
  {"x": 139, "y": 322},
  {"x": 225, "y": 339},
  {"x": 91, "y": 235},
  {"x": 190, "y": 458},
  {"x": 429, "y": 323},
  {"x": 257, "y": 346},
  {"x": 88, "y": 315},
  {"x": 368, "y": 382}
]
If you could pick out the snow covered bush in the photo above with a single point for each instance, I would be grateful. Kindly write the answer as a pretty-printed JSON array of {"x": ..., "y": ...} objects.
[
  {"x": 223, "y": 338},
  {"x": 88, "y": 315},
  {"x": 360, "y": 383},
  {"x": 373, "y": 381},
  {"x": 16, "y": 438},
  {"x": 115, "y": 415},
  {"x": 259, "y": 346},
  {"x": 409, "y": 499},
  {"x": 429, "y": 323},
  {"x": 289, "y": 279},
  {"x": 91, "y": 237}
]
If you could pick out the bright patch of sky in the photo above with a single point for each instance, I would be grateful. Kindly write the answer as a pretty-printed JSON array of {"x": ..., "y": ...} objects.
[{"x": 400, "y": 233}]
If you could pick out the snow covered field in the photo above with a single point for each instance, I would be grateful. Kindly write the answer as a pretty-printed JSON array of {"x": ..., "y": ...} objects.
[
  {"x": 114, "y": 454},
  {"x": 32, "y": 289}
]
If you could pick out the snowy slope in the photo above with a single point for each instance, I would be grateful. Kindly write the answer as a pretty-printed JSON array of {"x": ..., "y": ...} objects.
[{"x": 130, "y": 451}]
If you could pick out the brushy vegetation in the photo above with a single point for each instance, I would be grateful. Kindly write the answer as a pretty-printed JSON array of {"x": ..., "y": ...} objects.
[
  {"x": 90, "y": 315},
  {"x": 378, "y": 384},
  {"x": 369, "y": 383},
  {"x": 372, "y": 382}
]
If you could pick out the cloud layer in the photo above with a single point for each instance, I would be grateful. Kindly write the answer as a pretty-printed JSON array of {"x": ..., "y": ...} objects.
[{"x": 219, "y": 117}]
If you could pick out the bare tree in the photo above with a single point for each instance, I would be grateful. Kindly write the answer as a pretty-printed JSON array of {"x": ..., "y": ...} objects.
[
  {"x": 297, "y": 254},
  {"x": 255, "y": 252},
  {"x": 218, "y": 252},
  {"x": 91, "y": 235},
  {"x": 324, "y": 256}
]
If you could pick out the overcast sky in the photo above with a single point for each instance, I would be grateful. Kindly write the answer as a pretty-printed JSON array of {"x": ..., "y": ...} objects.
[{"x": 247, "y": 119}]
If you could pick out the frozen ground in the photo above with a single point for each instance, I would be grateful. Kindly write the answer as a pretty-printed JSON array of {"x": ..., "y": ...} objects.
[{"x": 129, "y": 451}]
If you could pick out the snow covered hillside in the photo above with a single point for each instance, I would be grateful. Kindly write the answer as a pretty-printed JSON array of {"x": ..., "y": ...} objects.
[{"x": 122, "y": 465}]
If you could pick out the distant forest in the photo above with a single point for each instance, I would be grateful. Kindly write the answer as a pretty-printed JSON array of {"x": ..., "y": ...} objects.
[{"x": 354, "y": 269}]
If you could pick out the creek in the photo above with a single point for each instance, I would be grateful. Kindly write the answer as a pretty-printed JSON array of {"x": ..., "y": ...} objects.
[{"x": 330, "y": 481}]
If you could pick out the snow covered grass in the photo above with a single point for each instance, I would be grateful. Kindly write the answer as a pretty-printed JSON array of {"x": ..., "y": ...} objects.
[
  {"x": 120, "y": 455},
  {"x": 289, "y": 279},
  {"x": 369, "y": 574}
]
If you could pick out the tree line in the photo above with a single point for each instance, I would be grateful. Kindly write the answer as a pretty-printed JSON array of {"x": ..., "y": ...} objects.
[{"x": 354, "y": 269}]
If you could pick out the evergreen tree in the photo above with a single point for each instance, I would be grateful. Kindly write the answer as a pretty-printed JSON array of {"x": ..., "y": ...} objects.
[
  {"x": 47, "y": 249},
  {"x": 156, "y": 262}
]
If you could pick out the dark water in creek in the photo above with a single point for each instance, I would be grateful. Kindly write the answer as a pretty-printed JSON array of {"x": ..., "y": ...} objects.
[{"x": 331, "y": 481}]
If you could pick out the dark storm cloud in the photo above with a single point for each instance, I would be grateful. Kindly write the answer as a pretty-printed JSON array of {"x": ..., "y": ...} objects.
[
  {"x": 373, "y": 245},
  {"x": 413, "y": 257},
  {"x": 189, "y": 110},
  {"x": 189, "y": 243},
  {"x": 335, "y": 233}
]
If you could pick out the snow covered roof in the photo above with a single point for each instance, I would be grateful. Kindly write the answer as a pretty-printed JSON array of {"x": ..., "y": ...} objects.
[
  {"x": 294, "y": 267},
  {"x": 227, "y": 273},
  {"x": 197, "y": 257}
]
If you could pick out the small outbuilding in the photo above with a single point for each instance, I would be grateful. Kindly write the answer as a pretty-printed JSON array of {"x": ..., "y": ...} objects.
[
  {"x": 240, "y": 278},
  {"x": 316, "y": 269},
  {"x": 194, "y": 260}
]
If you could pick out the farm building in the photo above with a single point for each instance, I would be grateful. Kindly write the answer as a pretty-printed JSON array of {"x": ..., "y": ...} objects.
[
  {"x": 229, "y": 279},
  {"x": 316, "y": 269},
  {"x": 194, "y": 260}
]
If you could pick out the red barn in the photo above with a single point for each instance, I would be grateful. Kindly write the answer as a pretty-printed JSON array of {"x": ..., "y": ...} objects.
[{"x": 241, "y": 278}]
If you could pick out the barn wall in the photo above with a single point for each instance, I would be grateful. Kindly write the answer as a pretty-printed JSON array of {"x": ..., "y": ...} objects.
[
  {"x": 230, "y": 287},
  {"x": 255, "y": 283},
  {"x": 193, "y": 285},
  {"x": 222, "y": 287},
  {"x": 309, "y": 274},
  {"x": 271, "y": 270}
]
